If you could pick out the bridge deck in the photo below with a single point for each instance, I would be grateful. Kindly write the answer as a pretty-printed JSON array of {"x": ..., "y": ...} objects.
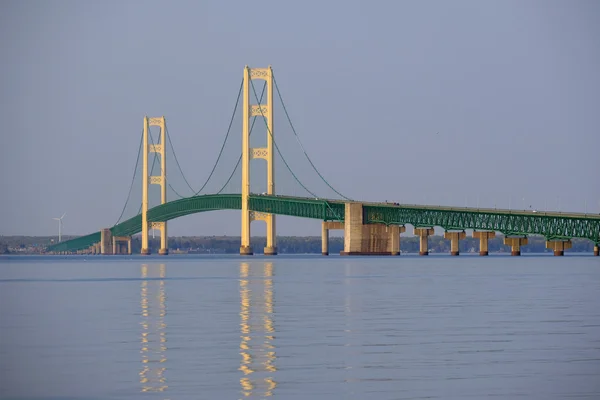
[{"x": 552, "y": 225}]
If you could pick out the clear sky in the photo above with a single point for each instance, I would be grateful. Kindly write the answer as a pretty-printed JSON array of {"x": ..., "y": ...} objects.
[{"x": 512, "y": 87}]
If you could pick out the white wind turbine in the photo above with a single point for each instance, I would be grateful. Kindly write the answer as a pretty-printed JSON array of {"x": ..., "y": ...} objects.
[{"x": 60, "y": 226}]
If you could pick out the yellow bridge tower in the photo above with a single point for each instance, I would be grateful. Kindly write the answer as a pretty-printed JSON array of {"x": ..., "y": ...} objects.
[
  {"x": 161, "y": 180},
  {"x": 266, "y": 153}
]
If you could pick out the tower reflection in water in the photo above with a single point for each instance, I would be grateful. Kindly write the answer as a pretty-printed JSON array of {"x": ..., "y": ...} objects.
[
  {"x": 154, "y": 340},
  {"x": 257, "y": 330}
]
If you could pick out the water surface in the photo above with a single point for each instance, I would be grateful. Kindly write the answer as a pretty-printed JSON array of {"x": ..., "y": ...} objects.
[{"x": 225, "y": 327}]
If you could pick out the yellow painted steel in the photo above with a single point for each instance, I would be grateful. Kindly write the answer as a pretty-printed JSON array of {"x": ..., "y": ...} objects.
[
  {"x": 245, "y": 234},
  {"x": 266, "y": 111},
  {"x": 161, "y": 180},
  {"x": 145, "y": 249}
]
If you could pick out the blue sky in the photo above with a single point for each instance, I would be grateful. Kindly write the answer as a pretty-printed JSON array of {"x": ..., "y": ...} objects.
[{"x": 512, "y": 87}]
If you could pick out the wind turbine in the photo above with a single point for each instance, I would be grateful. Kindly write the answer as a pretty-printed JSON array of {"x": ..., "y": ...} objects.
[{"x": 60, "y": 226}]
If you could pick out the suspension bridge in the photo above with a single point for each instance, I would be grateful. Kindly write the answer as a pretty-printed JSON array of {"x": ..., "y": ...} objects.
[{"x": 369, "y": 228}]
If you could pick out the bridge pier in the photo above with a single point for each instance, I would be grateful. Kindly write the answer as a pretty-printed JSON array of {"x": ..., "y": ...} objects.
[
  {"x": 423, "y": 233},
  {"x": 369, "y": 239},
  {"x": 270, "y": 251},
  {"x": 353, "y": 230},
  {"x": 515, "y": 243},
  {"x": 454, "y": 237},
  {"x": 324, "y": 239},
  {"x": 559, "y": 246},
  {"x": 246, "y": 251},
  {"x": 119, "y": 244},
  {"x": 484, "y": 237},
  {"x": 394, "y": 232},
  {"x": 326, "y": 226},
  {"x": 105, "y": 241}
]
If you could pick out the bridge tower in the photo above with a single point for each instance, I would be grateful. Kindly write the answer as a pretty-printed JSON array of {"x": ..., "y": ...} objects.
[
  {"x": 266, "y": 153},
  {"x": 161, "y": 149}
]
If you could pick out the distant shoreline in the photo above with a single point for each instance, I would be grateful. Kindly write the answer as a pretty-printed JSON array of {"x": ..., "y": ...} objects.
[{"x": 288, "y": 244}]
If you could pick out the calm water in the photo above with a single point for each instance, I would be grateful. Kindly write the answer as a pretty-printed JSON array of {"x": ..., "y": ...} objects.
[{"x": 300, "y": 327}]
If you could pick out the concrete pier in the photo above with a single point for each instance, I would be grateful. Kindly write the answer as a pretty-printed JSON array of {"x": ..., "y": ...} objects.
[
  {"x": 353, "y": 232},
  {"x": 324, "y": 239},
  {"x": 394, "y": 232},
  {"x": 484, "y": 237},
  {"x": 106, "y": 241},
  {"x": 326, "y": 226},
  {"x": 270, "y": 251},
  {"x": 515, "y": 243},
  {"x": 121, "y": 244},
  {"x": 455, "y": 237},
  {"x": 369, "y": 239},
  {"x": 559, "y": 246},
  {"x": 423, "y": 233},
  {"x": 246, "y": 251}
]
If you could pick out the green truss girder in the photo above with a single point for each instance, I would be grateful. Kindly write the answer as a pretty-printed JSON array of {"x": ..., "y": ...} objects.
[
  {"x": 552, "y": 226},
  {"x": 326, "y": 210},
  {"x": 82, "y": 242},
  {"x": 299, "y": 207}
]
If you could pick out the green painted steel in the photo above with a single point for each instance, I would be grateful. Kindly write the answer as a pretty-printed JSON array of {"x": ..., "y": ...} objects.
[
  {"x": 327, "y": 210},
  {"x": 294, "y": 206},
  {"x": 550, "y": 225},
  {"x": 82, "y": 242}
]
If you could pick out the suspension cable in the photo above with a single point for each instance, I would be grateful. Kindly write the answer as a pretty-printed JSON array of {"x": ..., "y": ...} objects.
[
  {"x": 300, "y": 143},
  {"x": 237, "y": 101},
  {"x": 277, "y": 147},
  {"x": 137, "y": 160},
  {"x": 249, "y": 133},
  {"x": 175, "y": 157}
]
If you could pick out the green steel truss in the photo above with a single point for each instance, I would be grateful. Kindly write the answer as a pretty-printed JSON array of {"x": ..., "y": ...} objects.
[
  {"x": 550, "y": 225},
  {"x": 299, "y": 207}
]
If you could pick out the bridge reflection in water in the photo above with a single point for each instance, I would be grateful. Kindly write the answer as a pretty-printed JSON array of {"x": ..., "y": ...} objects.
[
  {"x": 153, "y": 338},
  {"x": 257, "y": 330}
]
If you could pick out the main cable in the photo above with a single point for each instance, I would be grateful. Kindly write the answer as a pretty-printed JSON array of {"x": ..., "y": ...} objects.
[
  {"x": 132, "y": 179},
  {"x": 300, "y": 143},
  {"x": 175, "y": 156},
  {"x": 249, "y": 134},
  {"x": 225, "y": 141},
  {"x": 277, "y": 147}
]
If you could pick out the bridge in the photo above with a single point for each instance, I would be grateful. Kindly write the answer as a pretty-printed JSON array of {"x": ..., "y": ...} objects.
[{"x": 369, "y": 228}]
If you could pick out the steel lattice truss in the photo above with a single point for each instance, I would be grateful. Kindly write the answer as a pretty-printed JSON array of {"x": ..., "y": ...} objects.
[{"x": 550, "y": 225}]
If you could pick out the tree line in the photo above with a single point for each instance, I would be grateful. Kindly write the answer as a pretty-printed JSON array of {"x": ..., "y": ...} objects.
[{"x": 285, "y": 244}]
